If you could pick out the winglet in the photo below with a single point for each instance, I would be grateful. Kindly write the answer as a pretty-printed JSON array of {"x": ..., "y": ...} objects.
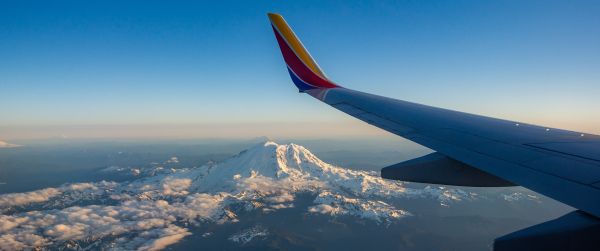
[{"x": 303, "y": 69}]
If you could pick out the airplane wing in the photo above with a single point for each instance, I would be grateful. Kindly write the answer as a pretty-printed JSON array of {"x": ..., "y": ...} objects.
[{"x": 471, "y": 150}]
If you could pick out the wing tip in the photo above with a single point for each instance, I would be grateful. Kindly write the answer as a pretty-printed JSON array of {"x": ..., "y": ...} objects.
[
  {"x": 304, "y": 71},
  {"x": 274, "y": 15}
]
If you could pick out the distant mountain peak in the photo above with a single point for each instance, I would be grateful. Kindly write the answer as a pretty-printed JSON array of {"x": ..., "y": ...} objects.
[{"x": 4, "y": 144}]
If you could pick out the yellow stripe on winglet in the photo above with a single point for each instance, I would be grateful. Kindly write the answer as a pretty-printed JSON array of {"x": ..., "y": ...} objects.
[{"x": 293, "y": 41}]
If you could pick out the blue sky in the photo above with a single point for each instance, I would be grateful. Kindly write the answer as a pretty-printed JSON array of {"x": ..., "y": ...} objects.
[{"x": 84, "y": 68}]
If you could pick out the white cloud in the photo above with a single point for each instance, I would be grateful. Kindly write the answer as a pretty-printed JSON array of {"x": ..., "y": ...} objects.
[
  {"x": 69, "y": 193},
  {"x": 152, "y": 222},
  {"x": 324, "y": 209},
  {"x": 282, "y": 206},
  {"x": 19, "y": 199},
  {"x": 81, "y": 186},
  {"x": 20, "y": 241},
  {"x": 159, "y": 239},
  {"x": 176, "y": 187},
  {"x": 282, "y": 197}
]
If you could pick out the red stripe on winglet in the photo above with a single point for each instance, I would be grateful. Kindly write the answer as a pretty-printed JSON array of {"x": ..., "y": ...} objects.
[{"x": 300, "y": 68}]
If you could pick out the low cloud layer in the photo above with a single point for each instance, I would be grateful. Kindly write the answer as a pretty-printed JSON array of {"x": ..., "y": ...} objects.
[
  {"x": 157, "y": 210},
  {"x": 133, "y": 224}
]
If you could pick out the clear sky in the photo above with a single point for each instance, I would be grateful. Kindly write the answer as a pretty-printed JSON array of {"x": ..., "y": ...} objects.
[{"x": 213, "y": 69}]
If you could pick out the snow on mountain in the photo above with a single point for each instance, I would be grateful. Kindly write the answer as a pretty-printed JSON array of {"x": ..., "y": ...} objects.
[
  {"x": 336, "y": 204},
  {"x": 249, "y": 234},
  {"x": 155, "y": 209},
  {"x": 517, "y": 196}
]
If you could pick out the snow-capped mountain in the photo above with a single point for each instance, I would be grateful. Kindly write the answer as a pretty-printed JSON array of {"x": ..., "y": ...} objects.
[
  {"x": 159, "y": 206},
  {"x": 271, "y": 174}
]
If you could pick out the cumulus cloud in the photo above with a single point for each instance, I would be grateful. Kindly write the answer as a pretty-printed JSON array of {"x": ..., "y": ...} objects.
[
  {"x": 158, "y": 239},
  {"x": 69, "y": 193},
  {"x": 177, "y": 187},
  {"x": 152, "y": 222},
  {"x": 281, "y": 197},
  {"x": 148, "y": 212},
  {"x": 140, "y": 219},
  {"x": 282, "y": 206},
  {"x": 19, "y": 199},
  {"x": 324, "y": 209}
]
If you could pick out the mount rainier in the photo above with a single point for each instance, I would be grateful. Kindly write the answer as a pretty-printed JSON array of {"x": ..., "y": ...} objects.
[{"x": 242, "y": 198}]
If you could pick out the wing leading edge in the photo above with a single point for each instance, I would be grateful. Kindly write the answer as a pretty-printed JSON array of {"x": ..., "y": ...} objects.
[{"x": 561, "y": 164}]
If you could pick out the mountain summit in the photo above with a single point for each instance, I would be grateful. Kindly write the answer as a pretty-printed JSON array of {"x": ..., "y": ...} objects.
[{"x": 286, "y": 162}]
